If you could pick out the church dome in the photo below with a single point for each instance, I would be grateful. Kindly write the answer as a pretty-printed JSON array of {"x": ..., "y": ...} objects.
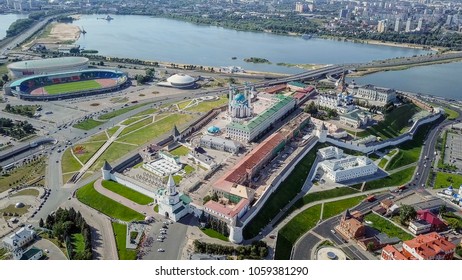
[{"x": 239, "y": 98}]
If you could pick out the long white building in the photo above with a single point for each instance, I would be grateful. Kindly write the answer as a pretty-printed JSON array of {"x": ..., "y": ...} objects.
[
  {"x": 373, "y": 93},
  {"x": 248, "y": 130},
  {"x": 348, "y": 167}
]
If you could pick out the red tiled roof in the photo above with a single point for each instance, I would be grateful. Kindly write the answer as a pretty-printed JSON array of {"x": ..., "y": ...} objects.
[
  {"x": 429, "y": 245},
  {"x": 299, "y": 94},
  {"x": 396, "y": 255},
  {"x": 275, "y": 89},
  {"x": 227, "y": 210},
  {"x": 238, "y": 173}
]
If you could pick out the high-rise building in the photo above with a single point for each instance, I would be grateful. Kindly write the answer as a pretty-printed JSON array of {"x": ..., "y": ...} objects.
[
  {"x": 343, "y": 13},
  {"x": 300, "y": 7},
  {"x": 408, "y": 25},
  {"x": 397, "y": 25},
  {"x": 420, "y": 24},
  {"x": 382, "y": 26}
]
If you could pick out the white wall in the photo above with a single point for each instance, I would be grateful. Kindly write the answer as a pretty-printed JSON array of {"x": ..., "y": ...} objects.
[{"x": 124, "y": 180}]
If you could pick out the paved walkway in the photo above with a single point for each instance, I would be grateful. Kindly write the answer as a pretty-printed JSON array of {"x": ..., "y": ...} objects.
[
  {"x": 101, "y": 150},
  {"x": 142, "y": 209}
]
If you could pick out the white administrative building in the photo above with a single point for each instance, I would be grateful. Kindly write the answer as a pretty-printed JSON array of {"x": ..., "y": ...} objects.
[{"x": 348, "y": 168}]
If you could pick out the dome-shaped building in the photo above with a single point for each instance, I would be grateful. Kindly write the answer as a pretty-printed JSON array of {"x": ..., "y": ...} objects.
[
  {"x": 213, "y": 130},
  {"x": 182, "y": 81}
]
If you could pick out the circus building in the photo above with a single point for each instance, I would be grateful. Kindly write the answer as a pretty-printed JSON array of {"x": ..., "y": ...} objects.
[{"x": 180, "y": 80}]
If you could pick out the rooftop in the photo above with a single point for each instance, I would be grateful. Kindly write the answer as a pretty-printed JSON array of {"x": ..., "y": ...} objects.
[
  {"x": 228, "y": 210},
  {"x": 48, "y": 63}
]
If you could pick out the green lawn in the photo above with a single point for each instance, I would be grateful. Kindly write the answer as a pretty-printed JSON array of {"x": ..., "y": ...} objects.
[
  {"x": 69, "y": 163},
  {"x": 89, "y": 196},
  {"x": 334, "y": 208},
  {"x": 283, "y": 195},
  {"x": 387, "y": 227},
  {"x": 206, "y": 106},
  {"x": 135, "y": 126},
  {"x": 396, "y": 179},
  {"x": 395, "y": 122},
  {"x": 409, "y": 151},
  {"x": 120, "y": 234},
  {"x": 113, "y": 153},
  {"x": 98, "y": 137},
  {"x": 22, "y": 174},
  {"x": 180, "y": 151},
  {"x": 87, "y": 124},
  {"x": 121, "y": 111},
  {"x": 72, "y": 87},
  {"x": 188, "y": 169},
  {"x": 383, "y": 162},
  {"x": 289, "y": 234},
  {"x": 89, "y": 149},
  {"x": 131, "y": 120},
  {"x": 452, "y": 115},
  {"x": 156, "y": 129},
  {"x": 146, "y": 112},
  {"x": 78, "y": 243},
  {"x": 214, "y": 234},
  {"x": 3, "y": 252},
  {"x": 112, "y": 130},
  {"x": 31, "y": 192},
  {"x": 127, "y": 193},
  {"x": 12, "y": 209},
  {"x": 443, "y": 180},
  {"x": 316, "y": 196}
]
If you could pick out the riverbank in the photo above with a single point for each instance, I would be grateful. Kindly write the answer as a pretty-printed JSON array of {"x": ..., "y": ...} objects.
[
  {"x": 368, "y": 71},
  {"x": 54, "y": 34},
  {"x": 385, "y": 43}
]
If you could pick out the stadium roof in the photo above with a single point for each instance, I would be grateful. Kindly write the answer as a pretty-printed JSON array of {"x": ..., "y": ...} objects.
[
  {"x": 48, "y": 63},
  {"x": 181, "y": 79}
]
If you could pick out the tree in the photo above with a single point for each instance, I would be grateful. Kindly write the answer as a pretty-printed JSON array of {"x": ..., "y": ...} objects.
[
  {"x": 443, "y": 209},
  {"x": 311, "y": 108},
  {"x": 406, "y": 213},
  {"x": 41, "y": 223},
  {"x": 215, "y": 196},
  {"x": 370, "y": 246}
]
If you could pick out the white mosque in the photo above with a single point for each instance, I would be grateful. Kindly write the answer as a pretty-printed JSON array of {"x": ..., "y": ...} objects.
[{"x": 240, "y": 104}]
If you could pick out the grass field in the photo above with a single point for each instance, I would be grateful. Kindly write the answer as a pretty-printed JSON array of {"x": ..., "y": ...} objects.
[
  {"x": 11, "y": 209},
  {"x": 127, "y": 193},
  {"x": 120, "y": 234},
  {"x": 394, "y": 123},
  {"x": 316, "y": 196},
  {"x": 22, "y": 174},
  {"x": 387, "y": 227},
  {"x": 87, "y": 124},
  {"x": 409, "y": 151},
  {"x": 135, "y": 126},
  {"x": 89, "y": 150},
  {"x": 113, "y": 153},
  {"x": 112, "y": 130},
  {"x": 443, "y": 180},
  {"x": 32, "y": 192},
  {"x": 131, "y": 120},
  {"x": 89, "y": 196},
  {"x": 383, "y": 162},
  {"x": 336, "y": 207},
  {"x": 286, "y": 192},
  {"x": 289, "y": 234},
  {"x": 396, "y": 179},
  {"x": 180, "y": 151},
  {"x": 156, "y": 129},
  {"x": 208, "y": 105},
  {"x": 98, "y": 137},
  {"x": 72, "y": 87},
  {"x": 214, "y": 234},
  {"x": 146, "y": 112},
  {"x": 188, "y": 169},
  {"x": 119, "y": 112},
  {"x": 78, "y": 243}
]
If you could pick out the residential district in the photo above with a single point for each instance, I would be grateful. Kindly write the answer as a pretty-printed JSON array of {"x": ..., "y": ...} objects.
[{"x": 108, "y": 159}]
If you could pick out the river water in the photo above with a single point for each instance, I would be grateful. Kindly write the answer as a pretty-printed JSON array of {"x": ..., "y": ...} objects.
[
  {"x": 6, "y": 20},
  {"x": 443, "y": 80},
  {"x": 160, "y": 39}
]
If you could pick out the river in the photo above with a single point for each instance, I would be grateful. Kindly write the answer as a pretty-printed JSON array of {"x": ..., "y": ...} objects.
[
  {"x": 443, "y": 80},
  {"x": 161, "y": 39},
  {"x": 6, "y": 20}
]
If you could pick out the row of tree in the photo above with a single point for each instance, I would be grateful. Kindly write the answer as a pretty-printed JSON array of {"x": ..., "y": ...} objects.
[
  {"x": 258, "y": 250},
  {"x": 23, "y": 110},
  {"x": 15, "y": 129},
  {"x": 64, "y": 224}
]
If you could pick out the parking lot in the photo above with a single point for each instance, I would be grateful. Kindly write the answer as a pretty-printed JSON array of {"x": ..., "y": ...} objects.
[{"x": 453, "y": 151}]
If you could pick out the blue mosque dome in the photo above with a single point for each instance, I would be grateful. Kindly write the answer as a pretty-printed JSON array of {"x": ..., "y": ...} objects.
[
  {"x": 239, "y": 98},
  {"x": 213, "y": 130}
]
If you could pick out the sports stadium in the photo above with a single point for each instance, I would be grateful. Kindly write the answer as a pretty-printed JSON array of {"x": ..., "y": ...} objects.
[{"x": 68, "y": 85}]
